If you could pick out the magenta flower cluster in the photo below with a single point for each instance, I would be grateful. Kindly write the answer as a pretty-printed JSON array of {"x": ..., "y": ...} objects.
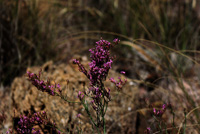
[
  {"x": 160, "y": 112},
  {"x": 44, "y": 86},
  {"x": 119, "y": 84},
  {"x": 158, "y": 115},
  {"x": 100, "y": 62},
  {"x": 100, "y": 65},
  {"x": 148, "y": 130},
  {"x": 26, "y": 123}
]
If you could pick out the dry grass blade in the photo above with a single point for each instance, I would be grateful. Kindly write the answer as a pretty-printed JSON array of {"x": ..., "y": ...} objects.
[
  {"x": 186, "y": 118},
  {"x": 143, "y": 54},
  {"x": 134, "y": 41},
  {"x": 168, "y": 48},
  {"x": 176, "y": 127}
]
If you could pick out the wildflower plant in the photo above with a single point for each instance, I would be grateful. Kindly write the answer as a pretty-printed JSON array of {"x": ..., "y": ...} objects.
[
  {"x": 99, "y": 67},
  {"x": 157, "y": 115},
  {"x": 98, "y": 95}
]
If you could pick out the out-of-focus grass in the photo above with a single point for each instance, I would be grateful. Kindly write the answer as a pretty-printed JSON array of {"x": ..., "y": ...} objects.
[
  {"x": 30, "y": 30},
  {"x": 173, "y": 23},
  {"x": 28, "y": 34}
]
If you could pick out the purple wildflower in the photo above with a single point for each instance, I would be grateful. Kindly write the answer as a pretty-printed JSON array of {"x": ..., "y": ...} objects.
[
  {"x": 116, "y": 40},
  {"x": 148, "y": 130},
  {"x": 160, "y": 112},
  {"x": 78, "y": 115},
  {"x": 80, "y": 95},
  {"x": 10, "y": 131},
  {"x": 100, "y": 65},
  {"x": 43, "y": 86},
  {"x": 154, "y": 111},
  {"x": 26, "y": 123},
  {"x": 118, "y": 84},
  {"x": 58, "y": 86},
  {"x": 122, "y": 72},
  {"x": 164, "y": 106},
  {"x": 81, "y": 67}
]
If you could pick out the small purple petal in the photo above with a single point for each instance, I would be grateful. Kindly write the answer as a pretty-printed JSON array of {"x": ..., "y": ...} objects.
[{"x": 122, "y": 72}]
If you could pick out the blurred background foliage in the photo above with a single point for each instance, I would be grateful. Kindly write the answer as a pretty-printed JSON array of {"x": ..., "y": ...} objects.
[{"x": 35, "y": 31}]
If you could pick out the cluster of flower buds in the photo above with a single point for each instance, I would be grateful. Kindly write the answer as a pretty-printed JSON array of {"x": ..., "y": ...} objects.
[
  {"x": 44, "y": 86},
  {"x": 148, "y": 130},
  {"x": 81, "y": 67},
  {"x": 159, "y": 112},
  {"x": 100, "y": 62},
  {"x": 119, "y": 84},
  {"x": 80, "y": 95},
  {"x": 26, "y": 124},
  {"x": 10, "y": 131}
]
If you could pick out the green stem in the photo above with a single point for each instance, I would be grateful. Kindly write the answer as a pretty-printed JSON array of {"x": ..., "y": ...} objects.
[
  {"x": 106, "y": 108},
  {"x": 104, "y": 126},
  {"x": 103, "y": 112},
  {"x": 87, "y": 111},
  {"x": 104, "y": 118}
]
